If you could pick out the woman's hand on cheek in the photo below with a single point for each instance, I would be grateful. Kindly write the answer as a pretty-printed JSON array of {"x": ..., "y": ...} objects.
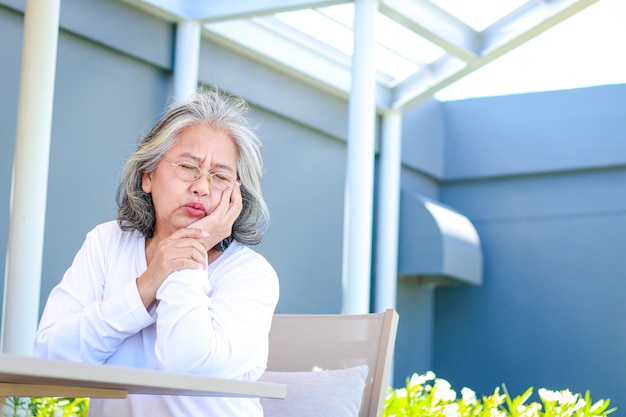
[{"x": 219, "y": 223}]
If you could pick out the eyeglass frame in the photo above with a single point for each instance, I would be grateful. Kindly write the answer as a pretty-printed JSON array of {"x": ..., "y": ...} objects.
[{"x": 202, "y": 173}]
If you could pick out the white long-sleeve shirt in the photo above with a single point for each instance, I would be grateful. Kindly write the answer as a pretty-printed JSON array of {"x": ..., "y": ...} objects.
[{"x": 212, "y": 322}]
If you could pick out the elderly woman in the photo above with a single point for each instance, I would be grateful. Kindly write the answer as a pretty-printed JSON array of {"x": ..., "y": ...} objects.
[{"x": 173, "y": 284}]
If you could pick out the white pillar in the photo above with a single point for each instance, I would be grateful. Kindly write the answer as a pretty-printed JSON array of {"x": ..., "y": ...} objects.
[
  {"x": 22, "y": 282},
  {"x": 358, "y": 211},
  {"x": 388, "y": 212},
  {"x": 186, "y": 58}
]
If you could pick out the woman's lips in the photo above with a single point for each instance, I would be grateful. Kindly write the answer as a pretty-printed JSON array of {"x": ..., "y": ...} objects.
[{"x": 195, "y": 209}]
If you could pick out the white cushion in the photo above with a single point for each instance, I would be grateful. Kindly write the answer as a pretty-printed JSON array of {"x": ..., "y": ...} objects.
[{"x": 334, "y": 393}]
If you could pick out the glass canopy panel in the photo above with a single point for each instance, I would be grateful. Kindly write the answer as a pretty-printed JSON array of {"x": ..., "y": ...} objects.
[
  {"x": 589, "y": 52},
  {"x": 302, "y": 41},
  {"x": 479, "y": 14},
  {"x": 320, "y": 27},
  {"x": 399, "y": 52}
]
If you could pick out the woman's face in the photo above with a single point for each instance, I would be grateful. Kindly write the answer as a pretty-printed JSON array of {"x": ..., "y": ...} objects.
[{"x": 177, "y": 202}]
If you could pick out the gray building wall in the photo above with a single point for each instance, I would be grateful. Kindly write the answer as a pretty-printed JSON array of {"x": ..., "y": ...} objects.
[{"x": 541, "y": 176}]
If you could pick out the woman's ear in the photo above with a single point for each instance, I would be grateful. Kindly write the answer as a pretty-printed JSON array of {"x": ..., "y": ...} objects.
[{"x": 146, "y": 182}]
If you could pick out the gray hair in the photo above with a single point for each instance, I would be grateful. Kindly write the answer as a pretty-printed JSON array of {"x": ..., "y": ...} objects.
[{"x": 221, "y": 111}]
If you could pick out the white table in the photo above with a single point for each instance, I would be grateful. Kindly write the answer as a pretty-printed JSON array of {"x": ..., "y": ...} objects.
[{"x": 22, "y": 376}]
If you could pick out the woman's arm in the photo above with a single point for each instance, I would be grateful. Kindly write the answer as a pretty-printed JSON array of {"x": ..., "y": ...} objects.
[
  {"x": 219, "y": 325},
  {"x": 82, "y": 321}
]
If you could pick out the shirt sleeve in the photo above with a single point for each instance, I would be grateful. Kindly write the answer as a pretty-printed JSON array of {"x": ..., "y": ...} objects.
[
  {"x": 79, "y": 323},
  {"x": 217, "y": 325}
]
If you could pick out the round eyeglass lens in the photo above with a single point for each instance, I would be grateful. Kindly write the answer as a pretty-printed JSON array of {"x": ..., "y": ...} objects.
[
  {"x": 222, "y": 181},
  {"x": 188, "y": 172}
]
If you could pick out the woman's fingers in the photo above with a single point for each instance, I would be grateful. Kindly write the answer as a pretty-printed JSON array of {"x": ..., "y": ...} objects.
[
  {"x": 235, "y": 202},
  {"x": 180, "y": 253},
  {"x": 190, "y": 250},
  {"x": 219, "y": 223},
  {"x": 189, "y": 232}
]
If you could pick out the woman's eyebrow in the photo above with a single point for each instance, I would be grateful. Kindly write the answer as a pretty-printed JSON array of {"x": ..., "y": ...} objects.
[
  {"x": 198, "y": 161},
  {"x": 188, "y": 155},
  {"x": 225, "y": 167}
]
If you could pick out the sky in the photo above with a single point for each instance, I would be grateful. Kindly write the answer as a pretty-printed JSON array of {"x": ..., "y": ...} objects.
[{"x": 588, "y": 49}]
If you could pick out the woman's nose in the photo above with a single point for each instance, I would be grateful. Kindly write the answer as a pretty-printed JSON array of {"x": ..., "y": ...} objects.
[{"x": 202, "y": 185}]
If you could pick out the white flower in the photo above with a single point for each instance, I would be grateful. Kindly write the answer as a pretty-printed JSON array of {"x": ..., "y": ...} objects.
[
  {"x": 568, "y": 398},
  {"x": 579, "y": 404},
  {"x": 531, "y": 410},
  {"x": 497, "y": 397},
  {"x": 547, "y": 395},
  {"x": 443, "y": 391},
  {"x": 469, "y": 396},
  {"x": 400, "y": 393},
  {"x": 564, "y": 397},
  {"x": 451, "y": 410},
  {"x": 417, "y": 379}
]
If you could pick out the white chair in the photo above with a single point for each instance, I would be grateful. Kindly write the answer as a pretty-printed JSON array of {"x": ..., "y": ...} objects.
[{"x": 338, "y": 345}]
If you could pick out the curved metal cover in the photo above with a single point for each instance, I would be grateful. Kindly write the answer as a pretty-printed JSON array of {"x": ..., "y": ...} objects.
[{"x": 436, "y": 243}]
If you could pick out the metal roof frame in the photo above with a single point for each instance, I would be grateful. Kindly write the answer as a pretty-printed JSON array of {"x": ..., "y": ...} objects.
[{"x": 246, "y": 25}]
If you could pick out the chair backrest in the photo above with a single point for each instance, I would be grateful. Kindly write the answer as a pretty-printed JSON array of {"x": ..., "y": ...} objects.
[{"x": 301, "y": 342}]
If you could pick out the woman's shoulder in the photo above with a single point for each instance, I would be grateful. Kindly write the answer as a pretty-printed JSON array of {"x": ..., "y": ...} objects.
[
  {"x": 111, "y": 228},
  {"x": 239, "y": 250},
  {"x": 238, "y": 254},
  {"x": 111, "y": 231}
]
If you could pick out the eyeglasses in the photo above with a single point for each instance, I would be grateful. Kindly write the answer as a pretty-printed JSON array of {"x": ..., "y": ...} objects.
[{"x": 187, "y": 171}]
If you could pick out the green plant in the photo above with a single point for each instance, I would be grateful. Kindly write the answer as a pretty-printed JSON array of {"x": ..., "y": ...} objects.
[
  {"x": 428, "y": 396},
  {"x": 45, "y": 407}
]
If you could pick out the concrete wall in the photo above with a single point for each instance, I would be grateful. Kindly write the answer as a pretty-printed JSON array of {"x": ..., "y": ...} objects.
[{"x": 543, "y": 179}]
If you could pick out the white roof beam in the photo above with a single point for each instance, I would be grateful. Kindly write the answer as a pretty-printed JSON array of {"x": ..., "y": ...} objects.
[
  {"x": 502, "y": 37},
  {"x": 168, "y": 10},
  {"x": 436, "y": 25},
  {"x": 220, "y": 10},
  {"x": 530, "y": 20},
  {"x": 425, "y": 83},
  {"x": 283, "y": 51},
  {"x": 279, "y": 50}
]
